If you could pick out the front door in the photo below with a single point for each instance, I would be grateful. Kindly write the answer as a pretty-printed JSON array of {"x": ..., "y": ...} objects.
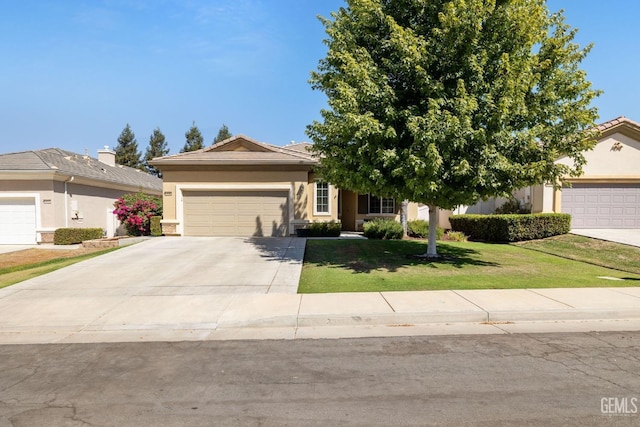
[{"x": 349, "y": 202}]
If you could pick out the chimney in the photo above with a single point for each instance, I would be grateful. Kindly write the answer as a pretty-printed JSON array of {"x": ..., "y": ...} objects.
[{"x": 107, "y": 156}]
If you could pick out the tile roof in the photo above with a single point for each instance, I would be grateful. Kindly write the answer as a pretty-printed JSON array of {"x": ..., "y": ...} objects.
[
  {"x": 302, "y": 147},
  {"x": 69, "y": 163},
  {"x": 616, "y": 122},
  {"x": 240, "y": 150}
]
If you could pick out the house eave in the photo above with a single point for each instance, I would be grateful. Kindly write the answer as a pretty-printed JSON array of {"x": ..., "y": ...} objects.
[
  {"x": 209, "y": 162},
  {"x": 30, "y": 175}
]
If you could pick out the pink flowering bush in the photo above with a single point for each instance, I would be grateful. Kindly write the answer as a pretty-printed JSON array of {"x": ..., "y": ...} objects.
[{"x": 135, "y": 212}]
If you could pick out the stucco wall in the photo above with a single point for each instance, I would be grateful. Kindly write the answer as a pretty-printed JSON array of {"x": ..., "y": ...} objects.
[
  {"x": 91, "y": 206},
  {"x": 616, "y": 156}
]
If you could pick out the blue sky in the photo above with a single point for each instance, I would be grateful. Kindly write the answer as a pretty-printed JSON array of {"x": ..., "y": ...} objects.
[{"x": 75, "y": 72}]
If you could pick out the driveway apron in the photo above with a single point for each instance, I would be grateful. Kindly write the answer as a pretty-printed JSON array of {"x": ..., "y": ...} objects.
[{"x": 629, "y": 236}]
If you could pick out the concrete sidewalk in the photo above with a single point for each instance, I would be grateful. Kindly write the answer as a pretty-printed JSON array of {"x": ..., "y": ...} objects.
[{"x": 70, "y": 316}]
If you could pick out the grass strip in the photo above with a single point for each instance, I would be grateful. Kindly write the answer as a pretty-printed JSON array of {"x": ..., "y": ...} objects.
[{"x": 19, "y": 273}]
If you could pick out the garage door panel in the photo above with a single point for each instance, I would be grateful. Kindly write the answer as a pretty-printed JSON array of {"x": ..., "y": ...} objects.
[
  {"x": 603, "y": 205},
  {"x": 606, "y": 198},
  {"x": 235, "y": 213}
]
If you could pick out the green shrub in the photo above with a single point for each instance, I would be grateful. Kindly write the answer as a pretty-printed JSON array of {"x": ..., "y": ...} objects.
[
  {"x": 420, "y": 228},
  {"x": 456, "y": 236},
  {"x": 386, "y": 229},
  {"x": 512, "y": 206},
  {"x": 325, "y": 229},
  {"x": 511, "y": 228},
  {"x": 156, "y": 227},
  {"x": 71, "y": 236}
]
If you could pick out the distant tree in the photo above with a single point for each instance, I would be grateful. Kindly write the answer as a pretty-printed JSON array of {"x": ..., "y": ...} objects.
[
  {"x": 194, "y": 139},
  {"x": 223, "y": 134},
  {"x": 127, "y": 153},
  {"x": 157, "y": 148},
  {"x": 447, "y": 102}
]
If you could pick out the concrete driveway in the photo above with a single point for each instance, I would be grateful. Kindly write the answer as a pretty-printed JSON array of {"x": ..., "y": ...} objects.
[
  {"x": 627, "y": 236},
  {"x": 185, "y": 266},
  {"x": 166, "y": 282}
]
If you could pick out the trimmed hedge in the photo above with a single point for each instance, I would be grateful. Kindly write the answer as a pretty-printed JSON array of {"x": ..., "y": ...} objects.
[
  {"x": 325, "y": 229},
  {"x": 386, "y": 229},
  {"x": 511, "y": 228},
  {"x": 71, "y": 236},
  {"x": 420, "y": 228},
  {"x": 156, "y": 228}
]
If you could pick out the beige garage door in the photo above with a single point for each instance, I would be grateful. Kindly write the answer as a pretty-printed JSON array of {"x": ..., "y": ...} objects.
[
  {"x": 235, "y": 213},
  {"x": 602, "y": 205}
]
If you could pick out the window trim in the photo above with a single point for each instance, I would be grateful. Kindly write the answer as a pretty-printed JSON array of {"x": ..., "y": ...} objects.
[{"x": 316, "y": 212}]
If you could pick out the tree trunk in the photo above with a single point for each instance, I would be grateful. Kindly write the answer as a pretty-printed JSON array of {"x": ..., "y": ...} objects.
[
  {"x": 433, "y": 224},
  {"x": 404, "y": 216}
]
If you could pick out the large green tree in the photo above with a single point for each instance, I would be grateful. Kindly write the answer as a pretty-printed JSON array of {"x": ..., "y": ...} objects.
[
  {"x": 447, "y": 102},
  {"x": 223, "y": 133},
  {"x": 194, "y": 139},
  {"x": 157, "y": 148},
  {"x": 127, "y": 153}
]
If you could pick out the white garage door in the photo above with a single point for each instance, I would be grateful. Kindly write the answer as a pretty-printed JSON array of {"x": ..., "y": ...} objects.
[
  {"x": 602, "y": 205},
  {"x": 238, "y": 213},
  {"x": 17, "y": 221}
]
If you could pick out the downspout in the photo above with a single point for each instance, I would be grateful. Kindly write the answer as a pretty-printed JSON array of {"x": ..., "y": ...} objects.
[{"x": 66, "y": 202}]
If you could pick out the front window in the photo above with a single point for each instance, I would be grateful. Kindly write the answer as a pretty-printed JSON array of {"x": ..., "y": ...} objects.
[
  {"x": 321, "y": 205},
  {"x": 381, "y": 205}
]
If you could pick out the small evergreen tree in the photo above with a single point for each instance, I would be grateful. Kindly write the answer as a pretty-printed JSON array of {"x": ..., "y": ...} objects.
[
  {"x": 157, "y": 148},
  {"x": 194, "y": 139},
  {"x": 127, "y": 153},
  {"x": 223, "y": 134}
]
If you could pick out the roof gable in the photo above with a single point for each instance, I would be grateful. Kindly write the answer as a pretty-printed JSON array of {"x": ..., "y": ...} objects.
[
  {"x": 240, "y": 143},
  {"x": 239, "y": 150}
]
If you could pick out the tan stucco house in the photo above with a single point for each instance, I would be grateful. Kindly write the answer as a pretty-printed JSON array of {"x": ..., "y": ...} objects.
[
  {"x": 606, "y": 195},
  {"x": 43, "y": 190},
  {"x": 242, "y": 187}
]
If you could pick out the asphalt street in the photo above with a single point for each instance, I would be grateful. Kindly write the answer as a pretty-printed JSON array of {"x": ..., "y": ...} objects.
[{"x": 578, "y": 379}]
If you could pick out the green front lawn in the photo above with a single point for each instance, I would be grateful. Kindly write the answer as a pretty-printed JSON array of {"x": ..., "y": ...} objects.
[{"x": 382, "y": 265}]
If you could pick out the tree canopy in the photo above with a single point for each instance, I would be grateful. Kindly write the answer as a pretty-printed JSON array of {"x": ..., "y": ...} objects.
[
  {"x": 157, "y": 148},
  {"x": 194, "y": 139},
  {"x": 446, "y": 102},
  {"x": 127, "y": 153},
  {"x": 223, "y": 133}
]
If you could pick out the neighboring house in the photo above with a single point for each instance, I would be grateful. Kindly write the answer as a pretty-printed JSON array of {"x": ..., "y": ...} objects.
[
  {"x": 43, "y": 190},
  {"x": 242, "y": 187},
  {"x": 606, "y": 195}
]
